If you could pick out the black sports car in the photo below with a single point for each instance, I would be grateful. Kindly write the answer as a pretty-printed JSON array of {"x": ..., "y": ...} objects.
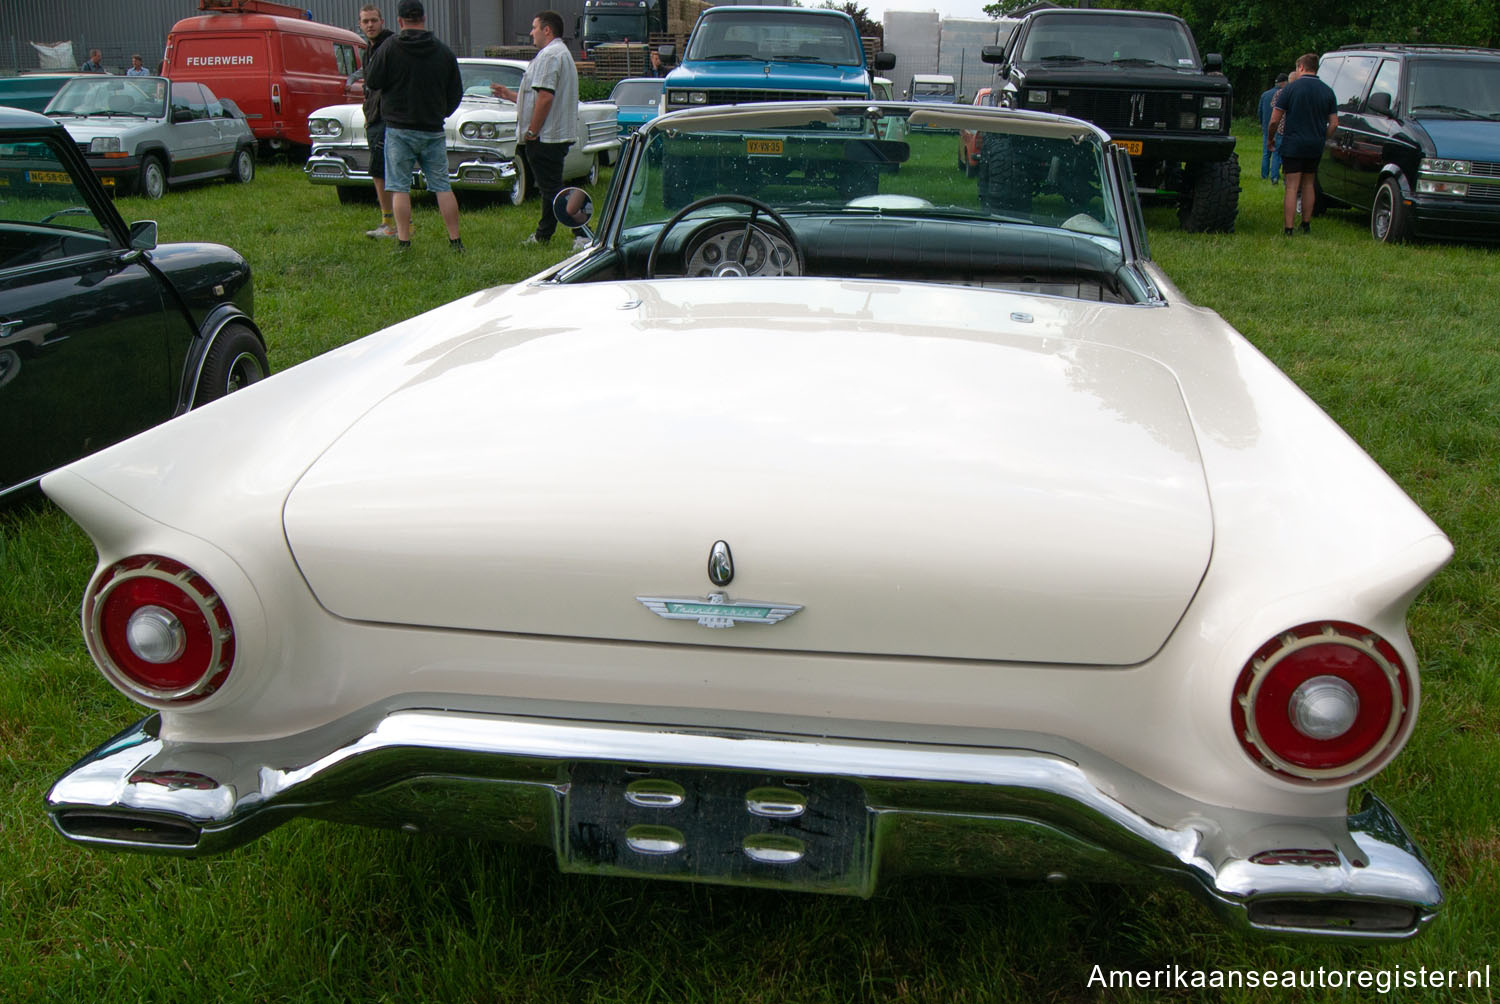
[{"x": 103, "y": 332}]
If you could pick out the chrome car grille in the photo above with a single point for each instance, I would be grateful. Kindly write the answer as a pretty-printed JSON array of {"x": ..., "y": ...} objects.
[
  {"x": 735, "y": 96},
  {"x": 1484, "y": 169}
]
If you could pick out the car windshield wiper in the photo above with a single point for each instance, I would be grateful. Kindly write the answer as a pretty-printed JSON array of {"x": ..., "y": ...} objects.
[
  {"x": 795, "y": 59},
  {"x": 1462, "y": 113},
  {"x": 1069, "y": 59},
  {"x": 1140, "y": 61},
  {"x": 734, "y": 55}
]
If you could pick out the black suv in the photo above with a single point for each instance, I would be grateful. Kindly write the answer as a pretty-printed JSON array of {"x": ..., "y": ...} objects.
[
  {"x": 1138, "y": 76},
  {"x": 1418, "y": 142}
]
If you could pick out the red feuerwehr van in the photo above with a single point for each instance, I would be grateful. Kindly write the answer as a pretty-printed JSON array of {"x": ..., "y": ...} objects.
[{"x": 270, "y": 60}]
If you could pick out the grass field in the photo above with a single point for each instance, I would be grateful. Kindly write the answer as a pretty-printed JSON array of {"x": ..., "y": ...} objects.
[{"x": 1397, "y": 343}]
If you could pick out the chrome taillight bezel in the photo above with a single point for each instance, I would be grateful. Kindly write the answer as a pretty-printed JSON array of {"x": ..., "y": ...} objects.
[
  {"x": 1387, "y": 689},
  {"x": 216, "y": 632}
]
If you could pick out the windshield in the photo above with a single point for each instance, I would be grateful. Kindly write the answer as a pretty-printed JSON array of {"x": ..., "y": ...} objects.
[
  {"x": 1455, "y": 88},
  {"x": 636, "y": 92},
  {"x": 1110, "y": 38},
  {"x": 930, "y": 90},
  {"x": 809, "y": 38},
  {"x": 858, "y": 164},
  {"x": 616, "y": 27},
  {"x": 477, "y": 77},
  {"x": 136, "y": 97}
]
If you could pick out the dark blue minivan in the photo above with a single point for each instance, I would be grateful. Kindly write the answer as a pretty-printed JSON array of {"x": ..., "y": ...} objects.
[{"x": 1418, "y": 142}]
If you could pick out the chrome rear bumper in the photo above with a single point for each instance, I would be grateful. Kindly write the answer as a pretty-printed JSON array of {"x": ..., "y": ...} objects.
[
  {"x": 473, "y": 174},
  {"x": 749, "y": 808}
]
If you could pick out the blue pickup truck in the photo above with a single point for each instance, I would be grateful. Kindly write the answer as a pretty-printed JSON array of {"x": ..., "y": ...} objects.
[{"x": 744, "y": 54}]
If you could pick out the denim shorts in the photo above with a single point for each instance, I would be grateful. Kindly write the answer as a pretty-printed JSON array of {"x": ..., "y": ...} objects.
[{"x": 406, "y": 149}]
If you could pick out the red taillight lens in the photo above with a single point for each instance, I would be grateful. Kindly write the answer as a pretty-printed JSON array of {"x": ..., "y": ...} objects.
[
  {"x": 1321, "y": 701},
  {"x": 158, "y": 629}
]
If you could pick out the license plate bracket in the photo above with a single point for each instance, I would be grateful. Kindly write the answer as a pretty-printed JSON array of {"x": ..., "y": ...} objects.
[{"x": 730, "y": 827}]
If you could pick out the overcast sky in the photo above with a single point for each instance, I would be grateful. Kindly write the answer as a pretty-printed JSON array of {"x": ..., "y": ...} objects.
[{"x": 946, "y": 8}]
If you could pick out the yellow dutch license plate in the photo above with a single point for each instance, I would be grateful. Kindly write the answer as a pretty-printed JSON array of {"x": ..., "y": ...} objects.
[
  {"x": 107, "y": 182},
  {"x": 769, "y": 147},
  {"x": 47, "y": 177},
  {"x": 1132, "y": 146}
]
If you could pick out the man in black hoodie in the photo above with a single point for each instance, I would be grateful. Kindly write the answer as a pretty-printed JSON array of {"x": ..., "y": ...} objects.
[
  {"x": 372, "y": 23},
  {"x": 419, "y": 84}
]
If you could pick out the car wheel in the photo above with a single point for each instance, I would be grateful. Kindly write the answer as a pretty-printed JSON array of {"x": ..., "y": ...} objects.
[
  {"x": 1390, "y": 220},
  {"x": 593, "y": 178},
  {"x": 243, "y": 168},
  {"x": 153, "y": 181},
  {"x": 522, "y": 190},
  {"x": 235, "y": 360},
  {"x": 1211, "y": 197}
]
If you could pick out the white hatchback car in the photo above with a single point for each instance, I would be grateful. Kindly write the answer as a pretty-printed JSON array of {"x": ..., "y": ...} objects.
[{"x": 818, "y": 522}]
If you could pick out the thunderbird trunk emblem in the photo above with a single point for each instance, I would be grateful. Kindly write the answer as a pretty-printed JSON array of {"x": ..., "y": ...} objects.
[{"x": 719, "y": 611}]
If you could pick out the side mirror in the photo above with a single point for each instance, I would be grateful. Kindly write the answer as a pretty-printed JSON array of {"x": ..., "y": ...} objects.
[
  {"x": 668, "y": 54},
  {"x": 182, "y": 115},
  {"x": 573, "y": 208},
  {"x": 1379, "y": 103},
  {"x": 885, "y": 60},
  {"x": 143, "y": 235},
  {"x": 992, "y": 54},
  {"x": 1213, "y": 63}
]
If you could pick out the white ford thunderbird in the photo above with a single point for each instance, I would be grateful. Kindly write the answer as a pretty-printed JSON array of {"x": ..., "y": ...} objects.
[
  {"x": 829, "y": 517},
  {"x": 481, "y": 137}
]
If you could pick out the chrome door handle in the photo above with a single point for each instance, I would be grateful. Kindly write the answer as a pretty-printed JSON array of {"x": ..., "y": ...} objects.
[{"x": 8, "y": 328}]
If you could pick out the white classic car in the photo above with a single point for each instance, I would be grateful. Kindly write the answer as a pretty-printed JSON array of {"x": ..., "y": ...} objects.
[
  {"x": 816, "y": 523},
  {"x": 481, "y": 140}
]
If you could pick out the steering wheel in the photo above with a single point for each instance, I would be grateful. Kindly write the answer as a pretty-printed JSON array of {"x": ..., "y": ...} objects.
[{"x": 777, "y": 247}]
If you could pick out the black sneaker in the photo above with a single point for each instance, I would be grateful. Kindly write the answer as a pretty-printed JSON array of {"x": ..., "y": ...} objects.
[
  {"x": 1306, "y": 227},
  {"x": 402, "y": 246},
  {"x": 455, "y": 244},
  {"x": 1288, "y": 231}
]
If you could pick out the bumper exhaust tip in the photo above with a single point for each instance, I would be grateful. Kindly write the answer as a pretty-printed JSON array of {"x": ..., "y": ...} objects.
[{"x": 125, "y": 831}]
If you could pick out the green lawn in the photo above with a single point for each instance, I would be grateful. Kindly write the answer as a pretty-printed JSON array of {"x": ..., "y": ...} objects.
[{"x": 1397, "y": 343}]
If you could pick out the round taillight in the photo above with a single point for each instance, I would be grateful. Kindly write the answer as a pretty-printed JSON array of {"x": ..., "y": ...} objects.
[
  {"x": 1321, "y": 702},
  {"x": 158, "y": 629}
]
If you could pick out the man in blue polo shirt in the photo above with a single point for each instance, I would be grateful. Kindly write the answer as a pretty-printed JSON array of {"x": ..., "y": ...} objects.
[{"x": 1307, "y": 113}]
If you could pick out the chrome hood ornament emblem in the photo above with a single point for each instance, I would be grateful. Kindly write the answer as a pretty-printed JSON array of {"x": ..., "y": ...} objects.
[
  {"x": 718, "y": 611},
  {"x": 720, "y": 564}
]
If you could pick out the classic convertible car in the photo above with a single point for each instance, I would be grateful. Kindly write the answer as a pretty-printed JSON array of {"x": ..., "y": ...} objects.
[
  {"x": 816, "y": 523},
  {"x": 481, "y": 140}
]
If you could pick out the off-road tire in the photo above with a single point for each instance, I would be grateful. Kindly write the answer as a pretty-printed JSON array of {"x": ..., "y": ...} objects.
[
  {"x": 1010, "y": 175},
  {"x": 1211, "y": 197}
]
